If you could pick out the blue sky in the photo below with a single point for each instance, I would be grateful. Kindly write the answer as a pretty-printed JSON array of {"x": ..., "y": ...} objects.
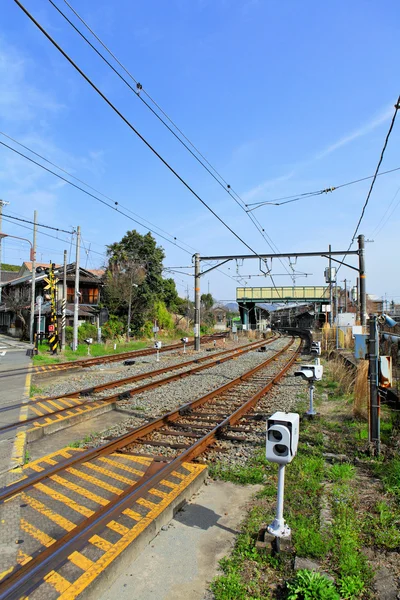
[{"x": 281, "y": 97}]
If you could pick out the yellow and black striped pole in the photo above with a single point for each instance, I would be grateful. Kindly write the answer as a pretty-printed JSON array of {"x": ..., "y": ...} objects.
[{"x": 52, "y": 281}]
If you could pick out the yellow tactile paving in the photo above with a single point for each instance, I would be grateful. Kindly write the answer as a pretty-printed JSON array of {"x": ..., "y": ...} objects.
[
  {"x": 36, "y": 533},
  {"x": 100, "y": 543},
  {"x": 80, "y": 560},
  {"x": 80, "y": 490},
  {"x": 114, "y": 550},
  {"x": 47, "y": 512},
  {"x": 133, "y": 522},
  {"x": 110, "y": 474},
  {"x": 120, "y": 465},
  {"x": 121, "y": 529},
  {"x": 146, "y": 503},
  {"x": 59, "y": 583},
  {"x": 95, "y": 480},
  {"x": 86, "y": 512}
]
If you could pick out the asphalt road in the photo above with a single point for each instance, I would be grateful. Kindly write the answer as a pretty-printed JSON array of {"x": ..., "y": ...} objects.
[{"x": 13, "y": 376}]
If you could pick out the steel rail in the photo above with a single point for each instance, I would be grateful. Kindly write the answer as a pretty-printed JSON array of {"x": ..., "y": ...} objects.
[
  {"x": 214, "y": 361},
  {"x": 22, "y": 582},
  {"x": 89, "y": 362},
  {"x": 123, "y": 440}
]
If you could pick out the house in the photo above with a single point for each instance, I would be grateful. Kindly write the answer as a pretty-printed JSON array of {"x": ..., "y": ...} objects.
[
  {"x": 16, "y": 298},
  {"x": 219, "y": 313}
]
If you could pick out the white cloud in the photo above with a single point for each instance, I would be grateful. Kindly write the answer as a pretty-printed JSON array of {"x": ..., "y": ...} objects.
[
  {"x": 368, "y": 127},
  {"x": 357, "y": 133},
  {"x": 20, "y": 100}
]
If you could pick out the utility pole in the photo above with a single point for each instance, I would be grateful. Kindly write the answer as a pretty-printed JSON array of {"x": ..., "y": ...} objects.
[
  {"x": 33, "y": 259},
  {"x": 345, "y": 294},
  {"x": 76, "y": 295},
  {"x": 361, "y": 268},
  {"x": 197, "y": 301},
  {"x": 374, "y": 400},
  {"x": 64, "y": 302},
  {"x": 330, "y": 287},
  {"x": 2, "y": 203}
]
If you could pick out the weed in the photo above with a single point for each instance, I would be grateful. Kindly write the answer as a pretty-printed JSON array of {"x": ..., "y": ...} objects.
[
  {"x": 27, "y": 457},
  {"x": 341, "y": 472},
  {"x": 351, "y": 587},
  {"x": 229, "y": 587},
  {"x": 35, "y": 390},
  {"x": 309, "y": 585},
  {"x": 384, "y": 526},
  {"x": 389, "y": 472},
  {"x": 82, "y": 443}
]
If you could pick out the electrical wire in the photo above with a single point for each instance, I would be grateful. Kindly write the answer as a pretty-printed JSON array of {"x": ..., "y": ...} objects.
[
  {"x": 91, "y": 195},
  {"x": 306, "y": 195},
  {"x": 396, "y": 108},
  {"x": 215, "y": 174},
  {"x": 382, "y": 224},
  {"x": 51, "y": 236},
  {"x": 91, "y": 188},
  {"x": 129, "y": 124},
  {"x": 39, "y": 224}
]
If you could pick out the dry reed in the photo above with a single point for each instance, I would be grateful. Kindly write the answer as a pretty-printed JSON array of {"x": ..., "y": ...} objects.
[
  {"x": 361, "y": 391},
  {"x": 342, "y": 375}
]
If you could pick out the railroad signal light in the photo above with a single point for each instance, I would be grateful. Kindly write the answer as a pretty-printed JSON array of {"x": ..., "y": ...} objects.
[{"x": 281, "y": 447}]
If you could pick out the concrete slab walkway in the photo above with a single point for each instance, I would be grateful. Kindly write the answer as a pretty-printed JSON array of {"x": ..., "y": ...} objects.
[{"x": 182, "y": 560}]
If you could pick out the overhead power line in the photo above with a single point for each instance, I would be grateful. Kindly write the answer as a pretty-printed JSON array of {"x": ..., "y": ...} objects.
[
  {"x": 129, "y": 124},
  {"x": 306, "y": 195},
  {"x": 139, "y": 89},
  {"x": 396, "y": 108},
  {"x": 92, "y": 195},
  {"x": 39, "y": 224},
  {"x": 93, "y": 189}
]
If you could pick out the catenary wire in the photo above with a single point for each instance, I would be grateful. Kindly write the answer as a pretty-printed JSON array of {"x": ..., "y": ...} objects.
[
  {"x": 383, "y": 222},
  {"x": 306, "y": 195},
  {"x": 91, "y": 187},
  {"x": 129, "y": 124},
  {"x": 92, "y": 195},
  {"x": 396, "y": 108},
  {"x": 39, "y": 224},
  {"x": 81, "y": 189},
  {"x": 219, "y": 179}
]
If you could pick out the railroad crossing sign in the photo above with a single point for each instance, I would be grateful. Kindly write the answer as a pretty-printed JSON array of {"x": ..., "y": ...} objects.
[
  {"x": 51, "y": 282},
  {"x": 51, "y": 327}
]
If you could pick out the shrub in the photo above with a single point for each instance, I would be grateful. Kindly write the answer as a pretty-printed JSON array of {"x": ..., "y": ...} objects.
[
  {"x": 87, "y": 330},
  {"x": 69, "y": 333},
  {"x": 113, "y": 328},
  {"x": 309, "y": 585},
  {"x": 164, "y": 318}
]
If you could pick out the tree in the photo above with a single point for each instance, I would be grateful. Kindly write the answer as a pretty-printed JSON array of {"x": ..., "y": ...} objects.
[
  {"x": 17, "y": 300},
  {"x": 136, "y": 259},
  {"x": 207, "y": 301}
]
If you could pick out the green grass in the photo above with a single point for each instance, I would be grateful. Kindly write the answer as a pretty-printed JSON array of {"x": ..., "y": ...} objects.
[
  {"x": 82, "y": 443},
  {"x": 35, "y": 390},
  {"x": 27, "y": 457},
  {"x": 255, "y": 471},
  {"x": 45, "y": 358},
  {"x": 341, "y": 472}
]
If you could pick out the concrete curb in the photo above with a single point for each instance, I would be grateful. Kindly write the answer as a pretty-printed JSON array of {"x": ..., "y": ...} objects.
[
  {"x": 37, "y": 433},
  {"x": 104, "y": 580}
]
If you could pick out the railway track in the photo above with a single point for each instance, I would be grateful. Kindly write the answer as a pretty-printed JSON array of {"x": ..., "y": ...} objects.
[
  {"x": 67, "y": 405},
  {"x": 63, "y": 560},
  {"x": 90, "y": 362}
]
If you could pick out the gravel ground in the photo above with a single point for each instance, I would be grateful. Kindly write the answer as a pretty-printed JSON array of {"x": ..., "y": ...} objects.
[
  {"x": 107, "y": 372},
  {"x": 154, "y": 403}
]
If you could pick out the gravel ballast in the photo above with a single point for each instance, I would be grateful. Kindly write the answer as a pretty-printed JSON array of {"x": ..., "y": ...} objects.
[{"x": 154, "y": 403}]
